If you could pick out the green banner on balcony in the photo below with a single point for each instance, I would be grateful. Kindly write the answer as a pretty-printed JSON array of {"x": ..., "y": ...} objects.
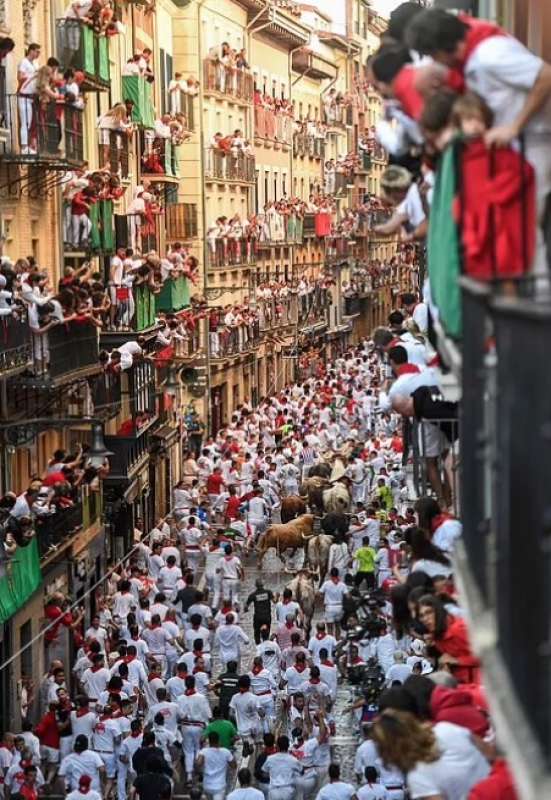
[
  {"x": 21, "y": 581},
  {"x": 443, "y": 246},
  {"x": 174, "y": 295},
  {"x": 103, "y": 53},
  {"x": 138, "y": 90},
  {"x": 145, "y": 307},
  {"x": 88, "y": 42}
]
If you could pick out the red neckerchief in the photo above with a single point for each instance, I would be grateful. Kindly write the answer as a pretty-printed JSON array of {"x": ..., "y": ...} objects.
[
  {"x": 479, "y": 31},
  {"x": 242, "y": 690},
  {"x": 135, "y": 734},
  {"x": 103, "y": 718},
  {"x": 438, "y": 520},
  {"x": 315, "y": 681},
  {"x": 357, "y": 660},
  {"x": 128, "y": 659},
  {"x": 81, "y": 712},
  {"x": 407, "y": 369},
  {"x": 256, "y": 669},
  {"x": 226, "y": 610},
  {"x": 96, "y": 668},
  {"x": 269, "y": 751},
  {"x": 198, "y": 653},
  {"x": 300, "y": 667},
  {"x": 290, "y": 625},
  {"x": 327, "y": 663},
  {"x": 320, "y": 636},
  {"x": 335, "y": 580},
  {"x": 83, "y": 790},
  {"x": 152, "y": 676},
  {"x": 153, "y": 627},
  {"x": 286, "y": 602},
  {"x": 190, "y": 692}
]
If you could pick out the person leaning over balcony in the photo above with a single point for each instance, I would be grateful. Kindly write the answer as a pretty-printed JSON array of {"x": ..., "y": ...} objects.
[{"x": 515, "y": 84}]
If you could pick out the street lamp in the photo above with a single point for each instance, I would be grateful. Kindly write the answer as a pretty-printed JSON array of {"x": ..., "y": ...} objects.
[
  {"x": 98, "y": 451},
  {"x": 172, "y": 383}
]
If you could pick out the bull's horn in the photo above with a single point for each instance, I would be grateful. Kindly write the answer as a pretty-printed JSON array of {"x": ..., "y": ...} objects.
[{"x": 307, "y": 537}]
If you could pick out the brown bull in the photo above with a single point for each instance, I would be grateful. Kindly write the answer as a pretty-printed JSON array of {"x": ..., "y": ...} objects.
[
  {"x": 292, "y": 507},
  {"x": 290, "y": 535}
]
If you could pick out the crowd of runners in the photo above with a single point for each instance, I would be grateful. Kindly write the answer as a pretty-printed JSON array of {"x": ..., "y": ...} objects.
[{"x": 203, "y": 676}]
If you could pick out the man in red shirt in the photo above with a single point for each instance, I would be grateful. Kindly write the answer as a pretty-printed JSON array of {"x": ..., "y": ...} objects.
[
  {"x": 233, "y": 504},
  {"x": 215, "y": 484},
  {"x": 48, "y": 732}
]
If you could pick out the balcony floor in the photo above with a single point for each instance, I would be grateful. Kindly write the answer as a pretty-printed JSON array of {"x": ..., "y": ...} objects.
[{"x": 49, "y": 382}]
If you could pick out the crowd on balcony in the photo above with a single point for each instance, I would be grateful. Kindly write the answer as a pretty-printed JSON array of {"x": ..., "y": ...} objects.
[
  {"x": 81, "y": 190},
  {"x": 99, "y": 15},
  {"x": 273, "y": 117},
  {"x": 43, "y": 510},
  {"x": 478, "y": 111},
  {"x": 140, "y": 65},
  {"x": 43, "y": 100},
  {"x": 340, "y": 171}
]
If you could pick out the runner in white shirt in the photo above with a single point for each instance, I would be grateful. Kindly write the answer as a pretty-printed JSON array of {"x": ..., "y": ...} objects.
[
  {"x": 336, "y": 789},
  {"x": 228, "y": 638},
  {"x": 333, "y": 591},
  {"x": 82, "y": 762},
  {"x": 105, "y": 741},
  {"x": 284, "y": 771},
  {"x": 195, "y": 711},
  {"x": 245, "y": 709},
  {"x": 322, "y": 640},
  {"x": 245, "y": 791},
  {"x": 231, "y": 573},
  {"x": 215, "y": 761}
]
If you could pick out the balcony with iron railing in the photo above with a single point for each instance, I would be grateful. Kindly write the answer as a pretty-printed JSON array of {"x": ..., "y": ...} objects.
[
  {"x": 15, "y": 345},
  {"x": 285, "y": 231},
  {"x": 181, "y": 222},
  {"x": 80, "y": 48},
  {"x": 272, "y": 129},
  {"x": 233, "y": 342},
  {"x": 130, "y": 454},
  {"x": 228, "y": 252},
  {"x": 307, "y": 145},
  {"x": 158, "y": 157},
  {"x": 66, "y": 352},
  {"x": 58, "y": 527},
  {"x": 105, "y": 390},
  {"x": 232, "y": 83},
  {"x": 335, "y": 116},
  {"x": 189, "y": 348},
  {"x": 141, "y": 232},
  {"x": 337, "y": 248},
  {"x": 133, "y": 310},
  {"x": 221, "y": 167},
  {"x": 116, "y": 154},
  {"x": 276, "y": 314},
  {"x": 182, "y": 105},
  {"x": 42, "y": 134}
]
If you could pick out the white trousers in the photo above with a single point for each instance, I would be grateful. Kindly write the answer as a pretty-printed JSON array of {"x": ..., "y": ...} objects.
[{"x": 191, "y": 744}]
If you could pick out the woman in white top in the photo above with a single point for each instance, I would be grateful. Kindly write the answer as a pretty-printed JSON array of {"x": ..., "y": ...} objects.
[
  {"x": 442, "y": 762},
  {"x": 425, "y": 556}
]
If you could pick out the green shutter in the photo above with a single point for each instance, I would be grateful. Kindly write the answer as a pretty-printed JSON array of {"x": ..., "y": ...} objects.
[{"x": 22, "y": 580}]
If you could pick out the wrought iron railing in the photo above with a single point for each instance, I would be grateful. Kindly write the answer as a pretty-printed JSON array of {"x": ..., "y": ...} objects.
[
  {"x": 229, "y": 81},
  {"x": 223, "y": 166},
  {"x": 43, "y": 131},
  {"x": 226, "y": 252},
  {"x": 81, "y": 48}
]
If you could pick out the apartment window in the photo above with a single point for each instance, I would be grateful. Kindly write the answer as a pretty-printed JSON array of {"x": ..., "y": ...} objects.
[
  {"x": 276, "y": 192},
  {"x": 300, "y": 109},
  {"x": 266, "y": 186},
  {"x": 284, "y": 184}
]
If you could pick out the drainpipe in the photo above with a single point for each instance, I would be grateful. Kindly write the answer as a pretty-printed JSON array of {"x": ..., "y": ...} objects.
[{"x": 208, "y": 414}]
